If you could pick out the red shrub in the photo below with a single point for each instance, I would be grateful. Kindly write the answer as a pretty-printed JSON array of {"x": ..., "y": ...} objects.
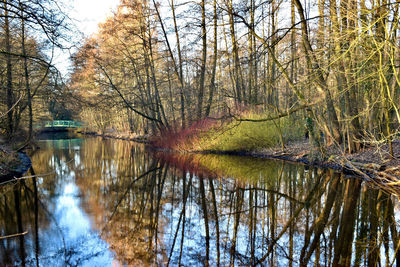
[{"x": 183, "y": 139}]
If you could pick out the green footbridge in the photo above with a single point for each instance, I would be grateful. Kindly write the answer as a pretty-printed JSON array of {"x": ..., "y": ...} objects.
[{"x": 63, "y": 124}]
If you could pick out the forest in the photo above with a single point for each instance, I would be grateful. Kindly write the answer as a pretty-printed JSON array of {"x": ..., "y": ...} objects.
[
  {"x": 276, "y": 69},
  {"x": 32, "y": 87},
  {"x": 314, "y": 82}
]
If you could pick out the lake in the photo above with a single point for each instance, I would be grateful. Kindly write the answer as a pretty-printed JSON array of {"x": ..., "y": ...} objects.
[{"x": 103, "y": 202}]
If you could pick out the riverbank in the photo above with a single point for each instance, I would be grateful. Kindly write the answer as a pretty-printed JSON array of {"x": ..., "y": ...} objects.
[
  {"x": 373, "y": 164},
  {"x": 370, "y": 163},
  {"x": 121, "y": 136},
  {"x": 12, "y": 164}
]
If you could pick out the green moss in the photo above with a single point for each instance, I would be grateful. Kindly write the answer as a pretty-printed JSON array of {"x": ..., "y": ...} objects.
[{"x": 247, "y": 136}]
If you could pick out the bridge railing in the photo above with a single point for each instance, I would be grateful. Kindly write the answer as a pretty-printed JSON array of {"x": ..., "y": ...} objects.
[{"x": 64, "y": 124}]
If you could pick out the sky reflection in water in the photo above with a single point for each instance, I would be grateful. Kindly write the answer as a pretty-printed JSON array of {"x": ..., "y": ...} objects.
[
  {"x": 111, "y": 203},
  {"x": 65, "y": 233}
]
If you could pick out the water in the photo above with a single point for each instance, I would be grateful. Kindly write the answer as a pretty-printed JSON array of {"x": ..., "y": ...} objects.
[{"x": 99, "y": 202}]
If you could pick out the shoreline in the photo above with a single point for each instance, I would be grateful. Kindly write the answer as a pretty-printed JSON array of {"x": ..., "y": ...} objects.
[
  {"x": 119, "y": 136},
  {"x": 22, "y": 164},
  {"x": 368, "y": 163},
  {"x": 290, "y": 158},
  {"x": 365, "y": 164}
]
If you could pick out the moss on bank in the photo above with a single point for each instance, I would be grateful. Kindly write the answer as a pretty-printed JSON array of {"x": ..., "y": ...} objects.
[
  {"x": 249, "y": 136},
  {"x": 234, "y": 135}
]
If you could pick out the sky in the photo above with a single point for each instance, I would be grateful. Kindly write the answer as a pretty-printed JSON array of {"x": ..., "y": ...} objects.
[
  {"x": 85, "y": 15},
  {"x": 89, "y": 13}
]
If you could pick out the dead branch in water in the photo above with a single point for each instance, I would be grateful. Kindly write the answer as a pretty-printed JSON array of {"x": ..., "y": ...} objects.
[
  {"x": 13, "y": 235},
  {"x": 385, "y": 179}
]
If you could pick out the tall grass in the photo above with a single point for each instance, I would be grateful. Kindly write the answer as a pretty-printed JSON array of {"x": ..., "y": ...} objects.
[{"x": 208, "y": 135}]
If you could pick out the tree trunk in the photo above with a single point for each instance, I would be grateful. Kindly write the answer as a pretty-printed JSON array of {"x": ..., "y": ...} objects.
[
  {"x": 315, "y": 69},
  {"x": 203, "y": 61},
  {"x": 180, "y": 64},
  {"x": 9, "y": 85},
  {"x": 26, "y": 74},
  {"x": 235, "y": 52},
  {"x": 214, "y": 63}
]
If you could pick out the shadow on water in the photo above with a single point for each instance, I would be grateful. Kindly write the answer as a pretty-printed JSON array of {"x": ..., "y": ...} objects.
[
  {"x": 107, "y": 202},
  {"x": 57, "y": 135}
]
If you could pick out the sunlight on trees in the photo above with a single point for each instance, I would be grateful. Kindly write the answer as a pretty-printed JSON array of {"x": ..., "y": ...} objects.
[
  {"x": 161, "y": 66},
  {"x": 170, "y": 64},
  {"x": 28, "y": 78}
]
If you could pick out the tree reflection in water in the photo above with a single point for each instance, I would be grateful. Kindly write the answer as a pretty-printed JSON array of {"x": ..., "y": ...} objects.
[{"x": 173, "y": 209}]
